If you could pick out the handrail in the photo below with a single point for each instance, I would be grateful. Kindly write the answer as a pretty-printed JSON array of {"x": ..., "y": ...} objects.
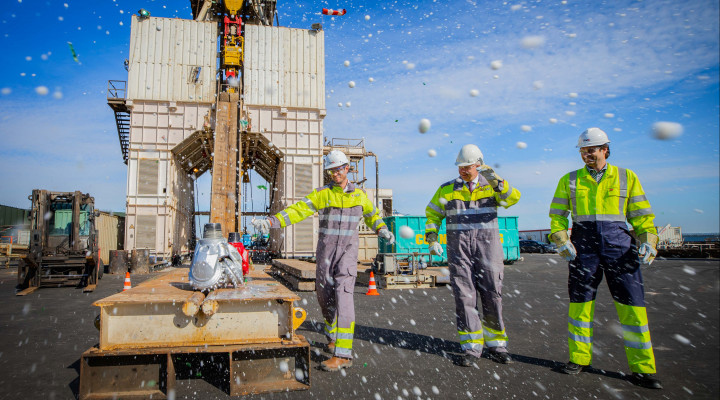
[
  {"x": 116, "y": 89},
  {"x": 343, "y": 142}
]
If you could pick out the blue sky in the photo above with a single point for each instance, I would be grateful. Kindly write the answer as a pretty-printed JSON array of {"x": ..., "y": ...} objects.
[{"x": 566, "y": 66}]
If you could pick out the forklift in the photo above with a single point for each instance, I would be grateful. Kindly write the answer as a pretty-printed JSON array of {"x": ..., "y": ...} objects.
[{"x": 63, "y": 247}]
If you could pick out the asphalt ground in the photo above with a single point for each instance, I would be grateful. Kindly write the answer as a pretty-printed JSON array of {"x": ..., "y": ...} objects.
[{"x": 406, "y": 343}]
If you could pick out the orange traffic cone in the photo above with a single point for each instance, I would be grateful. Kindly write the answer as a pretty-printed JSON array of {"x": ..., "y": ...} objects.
[
  {"x": 372, "y": 289},
  {"x": 127, "y": 285}
]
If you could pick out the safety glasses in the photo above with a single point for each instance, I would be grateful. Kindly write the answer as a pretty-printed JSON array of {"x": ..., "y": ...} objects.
[
  {"x": 333, "y": 171},
  {"x": 590, "y": 150},
  {"x": 467, "y": 167}
]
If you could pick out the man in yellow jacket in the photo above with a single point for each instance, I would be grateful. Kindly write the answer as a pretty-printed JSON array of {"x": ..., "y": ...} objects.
[
  {"x": 601, "y": 197},
  {"x": 341, "y": 206},
  {"x": 475, "y": 254}
]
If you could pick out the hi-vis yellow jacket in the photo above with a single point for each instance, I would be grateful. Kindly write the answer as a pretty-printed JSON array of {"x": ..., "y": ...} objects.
[
  {"x": 467, "y": 211},
  {"x": 618, "y": 196},
  {"x": 340, "y": 211}
]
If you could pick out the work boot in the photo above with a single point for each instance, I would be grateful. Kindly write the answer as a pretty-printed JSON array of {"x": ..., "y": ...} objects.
[
  {"x": 336, "y": 364},
  {"x": 572, "y": 369},
  {"x": 646, "y": 380},
  {"x": 468, "y": 360},
  {"x": 330, "y": 347},
  {"x": 500, "y": 357}
]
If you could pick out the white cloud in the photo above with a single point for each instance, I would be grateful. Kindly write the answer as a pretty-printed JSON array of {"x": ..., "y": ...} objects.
[
  {"x": 63, "y": 146},
  {"x": 607, "y": 68}
]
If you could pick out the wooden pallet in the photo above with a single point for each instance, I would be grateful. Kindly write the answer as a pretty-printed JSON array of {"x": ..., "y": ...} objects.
[
  {"x": 426, "y": 278},
  {"x": 294, "y": 282},
  {"x": 11, "y": 251},
  {"x": 301, "y": 269},
  {"x": 237, "y": 370},
  {"x": 300, "y": 275}
]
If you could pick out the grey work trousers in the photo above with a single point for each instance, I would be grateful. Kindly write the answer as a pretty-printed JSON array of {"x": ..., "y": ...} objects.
[
  {"x": 334, "y": 285},
  {"x": 475, "y": 258}
]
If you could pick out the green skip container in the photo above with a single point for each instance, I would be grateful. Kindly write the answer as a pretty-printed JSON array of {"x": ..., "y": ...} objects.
[{"x": 509, "y": 237}]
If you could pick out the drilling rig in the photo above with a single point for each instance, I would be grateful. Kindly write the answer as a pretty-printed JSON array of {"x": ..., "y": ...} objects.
[{"x": 227, "y": 92}]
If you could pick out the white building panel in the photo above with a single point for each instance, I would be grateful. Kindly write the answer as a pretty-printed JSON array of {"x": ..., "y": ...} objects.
[
  {"x": 297, "y": 133},
  {"x": 172, "y": 59},
  {"x": 296, "y": 178},
  {"x": 284, "y": 67},
  {"x": 164, "y": 230},
  {"x": 377, "y": 199},
  {"x": 670, "y": 236},
  {"x": 162, "y": 125},
  {"x": 159, "y": 193}
]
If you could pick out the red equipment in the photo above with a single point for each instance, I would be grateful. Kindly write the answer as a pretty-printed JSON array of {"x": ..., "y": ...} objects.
[
  {"x": 244, "y": 254},
  {"x": 328, "y": 11}
]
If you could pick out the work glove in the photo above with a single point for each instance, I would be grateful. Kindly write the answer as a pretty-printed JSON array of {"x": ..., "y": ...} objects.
[
  {"x": 564, "y": 245},
  {"x": 262, "y": 225},
  {"x": 490, "y": 175},
  {"x": 436, "y": 248},
  {"x": 648, "y": 244},
  {"x": 385, "y": 233}
]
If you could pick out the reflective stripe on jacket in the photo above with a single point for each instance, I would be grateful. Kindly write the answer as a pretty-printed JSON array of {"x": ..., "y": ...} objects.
[
  {"x": 618, "y": 197},
  {"x": 465, "y": 210}
]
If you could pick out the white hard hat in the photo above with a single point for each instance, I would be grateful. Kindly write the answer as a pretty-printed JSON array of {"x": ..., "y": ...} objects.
[
  {"x": 335, "y": 158},
  {"x": 592, "y": 137},
  {"x": 469, "y": 155}
]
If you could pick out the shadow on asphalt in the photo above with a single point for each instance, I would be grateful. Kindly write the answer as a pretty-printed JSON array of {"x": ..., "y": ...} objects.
[
  {"x": 427, "y": 344},
  {"x": 556, "y": 366},
  {"x": 431, "y": 345},
  {"x": 74, "y": 386},
  {"x": 608, "y": 374},
  {"x": 540, "y": 362},
  {"x": 394, "y": 338}
]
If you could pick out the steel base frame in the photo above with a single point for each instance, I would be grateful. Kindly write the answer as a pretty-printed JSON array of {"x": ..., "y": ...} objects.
[{"x": 235, "y": 369}]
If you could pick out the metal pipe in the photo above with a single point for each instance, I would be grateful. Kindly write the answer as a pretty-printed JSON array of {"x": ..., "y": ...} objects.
[{"x": 377, "y": 181}]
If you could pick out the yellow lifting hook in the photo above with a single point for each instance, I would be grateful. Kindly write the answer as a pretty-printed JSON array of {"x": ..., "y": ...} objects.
[{"x": 299, "y": 315}]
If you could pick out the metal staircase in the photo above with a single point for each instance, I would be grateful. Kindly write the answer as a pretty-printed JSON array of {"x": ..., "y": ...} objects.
[{"x": 116, "y": 100}]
